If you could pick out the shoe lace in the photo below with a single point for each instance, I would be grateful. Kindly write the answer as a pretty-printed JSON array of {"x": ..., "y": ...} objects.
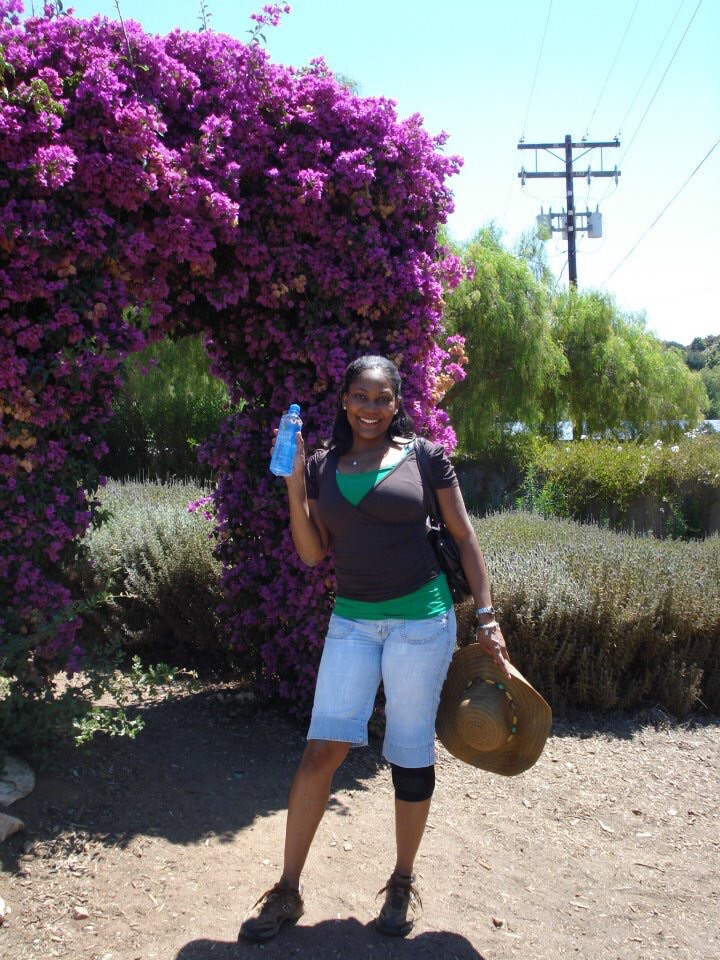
[
  {"x": 401, "y": 890},
  {"x": 273, "y": 894}
]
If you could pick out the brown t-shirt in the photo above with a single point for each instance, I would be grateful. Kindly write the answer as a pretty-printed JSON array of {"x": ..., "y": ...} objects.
[{"x": 380, "y": 546}]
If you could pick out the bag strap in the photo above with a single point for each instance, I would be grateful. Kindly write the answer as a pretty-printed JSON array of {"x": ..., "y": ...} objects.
[{"x": 423, "y": 462}]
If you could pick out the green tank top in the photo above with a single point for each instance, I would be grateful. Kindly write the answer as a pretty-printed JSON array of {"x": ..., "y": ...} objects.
[{"x": 432, "y": 599}]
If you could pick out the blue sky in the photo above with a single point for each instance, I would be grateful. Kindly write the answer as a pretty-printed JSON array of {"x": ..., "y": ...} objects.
[{"x": 489, "y": 73}]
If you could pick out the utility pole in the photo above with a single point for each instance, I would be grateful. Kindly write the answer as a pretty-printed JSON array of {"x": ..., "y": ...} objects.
[
  {"x": 570, "y": 224},
  {"x": 570, "y": 196}
]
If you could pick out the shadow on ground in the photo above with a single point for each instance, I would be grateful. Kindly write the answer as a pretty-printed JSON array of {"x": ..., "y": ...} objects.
[
  {"x": 625, "y": 726},
  {"x": 202, "y": 767},
  {"x": 337, "y": 938},
  {"x": 207, "y": 766}
]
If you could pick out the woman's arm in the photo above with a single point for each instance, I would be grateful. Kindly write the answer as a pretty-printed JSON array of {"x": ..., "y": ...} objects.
[
  {"x": 454, "y": 515},
  {"x": 309, "y": 534}
]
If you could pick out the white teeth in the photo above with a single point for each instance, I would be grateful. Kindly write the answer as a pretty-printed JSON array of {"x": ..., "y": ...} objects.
[{"x": 370, "y": 423}]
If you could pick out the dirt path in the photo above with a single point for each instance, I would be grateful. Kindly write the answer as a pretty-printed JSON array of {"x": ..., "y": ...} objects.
[{"x": 608, "y": 848}]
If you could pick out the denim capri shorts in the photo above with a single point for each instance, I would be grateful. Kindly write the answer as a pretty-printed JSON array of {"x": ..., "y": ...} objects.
[{"x": 411, "y": 657}]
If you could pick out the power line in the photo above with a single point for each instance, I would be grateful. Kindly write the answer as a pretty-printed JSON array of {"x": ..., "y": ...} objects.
[
  {"x": 649, "y": 69},
  {"x": 586, "y": 252},
  {"x": 662, "y": 212},
  {"x": 537, "y": 68},
  {"x": 559, "y": 278},
  {"x": 513, "y": 179},
  {"x": 652, "y": 99},
  {"x": 612, "y": 67}
]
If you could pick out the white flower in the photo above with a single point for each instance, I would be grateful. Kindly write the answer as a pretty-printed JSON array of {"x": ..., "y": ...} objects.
[
  {"x": 583, "y": 436},
  {"x": 675, "y": 449},
  {"x": 658, "y": 444}
]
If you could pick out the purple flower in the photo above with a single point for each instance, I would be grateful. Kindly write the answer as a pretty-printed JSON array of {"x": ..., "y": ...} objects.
[
  {"x": 290, "y": 221},
  {"x": 54, "y": 165}
]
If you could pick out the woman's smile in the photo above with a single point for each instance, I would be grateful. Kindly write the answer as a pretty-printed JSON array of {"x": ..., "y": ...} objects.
[{"x": 370, "y": 404}]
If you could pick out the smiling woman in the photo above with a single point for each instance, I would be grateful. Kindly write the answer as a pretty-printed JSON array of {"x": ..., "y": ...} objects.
[
  {"x": 374, "y": 413},
  {"x": 393, "y": 621},
  {"x": 370, "y": 408}
]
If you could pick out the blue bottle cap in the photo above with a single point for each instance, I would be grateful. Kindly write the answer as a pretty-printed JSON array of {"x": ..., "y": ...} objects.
[{"x": 294, "y": 408}]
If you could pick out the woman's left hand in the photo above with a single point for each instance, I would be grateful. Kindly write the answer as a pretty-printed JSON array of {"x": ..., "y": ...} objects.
[{"x": 492, "y": 642}]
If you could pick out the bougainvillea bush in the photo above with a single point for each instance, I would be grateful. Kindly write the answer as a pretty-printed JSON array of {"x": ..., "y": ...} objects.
[{"x": 158, "y": 185}]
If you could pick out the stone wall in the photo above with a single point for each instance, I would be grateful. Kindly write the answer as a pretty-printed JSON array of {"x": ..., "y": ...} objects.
[{"x": 487, "y": 487}]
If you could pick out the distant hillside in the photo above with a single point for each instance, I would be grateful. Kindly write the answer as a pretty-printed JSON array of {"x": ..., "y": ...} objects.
[{"x": 703, "y": 355}]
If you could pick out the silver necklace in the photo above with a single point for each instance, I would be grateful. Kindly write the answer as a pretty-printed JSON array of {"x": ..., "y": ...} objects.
[{"x": 385, "y": 450}]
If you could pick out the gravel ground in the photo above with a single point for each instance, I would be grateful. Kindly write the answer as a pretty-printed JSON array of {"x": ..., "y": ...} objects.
[{"x": 155, "y": 848}]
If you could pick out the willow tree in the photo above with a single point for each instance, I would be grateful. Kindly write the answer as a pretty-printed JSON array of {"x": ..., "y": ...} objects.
[
  {"x": 620, "y": 378},
  {"x": 514, "y": 366}
]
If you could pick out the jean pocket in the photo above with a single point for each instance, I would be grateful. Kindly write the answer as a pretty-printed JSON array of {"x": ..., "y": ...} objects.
[
  {"x": 425, "y": 631},
  {"x": 339, "y": 628}
]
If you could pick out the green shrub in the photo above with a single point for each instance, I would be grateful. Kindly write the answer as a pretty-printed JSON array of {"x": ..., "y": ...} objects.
[
  {"x": 711, "y": 378},
  {"x": 168, "y": 405},
  {"x": 543, "y": 496},
  {"x": 494, "y": 481},
  {"x": 597, "y": 481},
  {"x": 596, "y": 620},
  {"x": 154, "y": 559},
  {"x": 600, "y": 620},
  {"x": 148, "y": 583},
  {"x": 34, "y": 720}
]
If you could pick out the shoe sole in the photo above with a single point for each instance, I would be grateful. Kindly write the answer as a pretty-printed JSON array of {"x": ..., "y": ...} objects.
[
  {"x": 395, "y": 931},
  {"x": 262, "y": 937}
]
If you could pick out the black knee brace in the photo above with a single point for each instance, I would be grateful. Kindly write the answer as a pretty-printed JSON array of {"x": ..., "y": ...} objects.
[{"x": 413, "y": 784}]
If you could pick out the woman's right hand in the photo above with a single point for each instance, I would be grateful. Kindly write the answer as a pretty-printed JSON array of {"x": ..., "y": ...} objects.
[
  {"x": 299, "y": 461},
  {"x": 309, "y": 534},
  {"x": 298, "y": 471},
  {"x": 492, "y": 642}
]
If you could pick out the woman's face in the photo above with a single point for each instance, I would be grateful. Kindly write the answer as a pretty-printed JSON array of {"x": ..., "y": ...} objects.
[{"x": 370, "y": 404}]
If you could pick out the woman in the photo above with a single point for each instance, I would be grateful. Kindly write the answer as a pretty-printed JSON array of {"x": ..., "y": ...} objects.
[{"x": 393, "y": 621}]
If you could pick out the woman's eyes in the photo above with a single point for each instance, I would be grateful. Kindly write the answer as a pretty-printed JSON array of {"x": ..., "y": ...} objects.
[{"x": 361, "y": 398}]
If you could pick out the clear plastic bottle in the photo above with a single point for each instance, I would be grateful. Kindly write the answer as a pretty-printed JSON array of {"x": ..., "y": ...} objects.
[{"x": 283, "y": 455}]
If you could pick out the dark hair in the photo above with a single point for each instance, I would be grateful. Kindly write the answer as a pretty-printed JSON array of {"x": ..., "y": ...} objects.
[{"x": 401, "y": 425}]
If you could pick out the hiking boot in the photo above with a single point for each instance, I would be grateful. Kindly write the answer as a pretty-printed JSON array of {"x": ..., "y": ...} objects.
[
  {"x": 400, "y": 897},
  {"x": 270, "y": 912}
]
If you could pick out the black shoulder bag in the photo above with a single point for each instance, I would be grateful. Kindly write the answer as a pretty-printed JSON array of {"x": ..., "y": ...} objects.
[{"x": 445, "y": 548}]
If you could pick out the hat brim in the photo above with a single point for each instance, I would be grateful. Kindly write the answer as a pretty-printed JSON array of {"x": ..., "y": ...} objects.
[{"x": 534, "y": 716}]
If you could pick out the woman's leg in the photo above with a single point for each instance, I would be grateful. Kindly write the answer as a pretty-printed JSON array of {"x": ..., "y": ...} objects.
[
  {"x": 347, "y": 682},
  {"x": 415, "y": 662},
  {"x": 348, "y": 679},
  {"x": 410, "y": 820},
  {"x": 401, "y": 897},
  {"x": 309, "y": 795},
  {"x": 308, "y": 799}
]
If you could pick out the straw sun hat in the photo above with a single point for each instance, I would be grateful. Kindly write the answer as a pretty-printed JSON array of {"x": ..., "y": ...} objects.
[{"x": 489, "y": 721}]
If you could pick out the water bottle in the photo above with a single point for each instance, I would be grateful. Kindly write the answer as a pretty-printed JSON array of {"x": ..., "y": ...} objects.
[{"x": 283, "y": 455}]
